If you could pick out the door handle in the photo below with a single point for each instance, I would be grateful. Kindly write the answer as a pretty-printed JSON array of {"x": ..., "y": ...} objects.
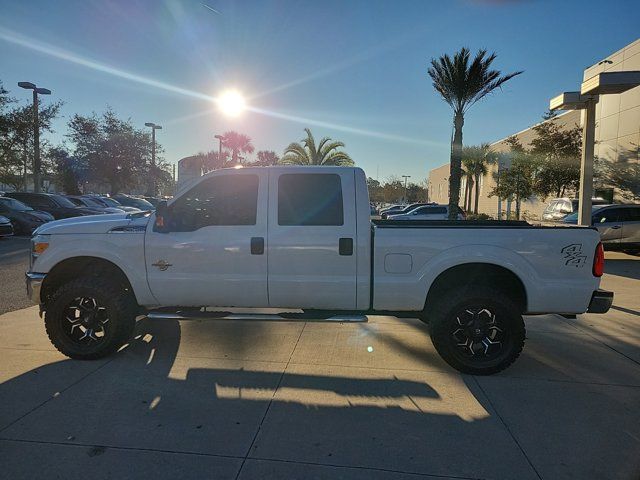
[
  {"x": 345, "y": 246},
  {"x": 257, "y": 245},
  {"x": 616, "y": 227}
]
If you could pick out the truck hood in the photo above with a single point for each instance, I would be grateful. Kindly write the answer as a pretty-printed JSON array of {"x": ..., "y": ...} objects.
[{"x": 121, "y": 222}]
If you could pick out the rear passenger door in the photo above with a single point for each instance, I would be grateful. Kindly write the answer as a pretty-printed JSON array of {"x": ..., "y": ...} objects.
[{"x": 312, "y": 237}]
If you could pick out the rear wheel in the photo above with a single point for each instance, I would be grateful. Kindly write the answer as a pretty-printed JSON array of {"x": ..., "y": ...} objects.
[
  {"x": 90, "y": 318},
  {"x": 477, "y": 331}
]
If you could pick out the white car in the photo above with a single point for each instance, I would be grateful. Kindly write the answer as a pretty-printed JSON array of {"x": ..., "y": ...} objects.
[
  {"x": 427, "y": 212},
  {"x": 301, "y": 237}
]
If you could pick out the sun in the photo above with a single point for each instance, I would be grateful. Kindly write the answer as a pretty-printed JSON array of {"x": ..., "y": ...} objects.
[{"x": 231, "y": 102}]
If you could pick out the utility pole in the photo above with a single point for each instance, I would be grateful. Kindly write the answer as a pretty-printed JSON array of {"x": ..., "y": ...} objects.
[
  {"x": 153, "y": 127},
  {"x": 36, "y": 131},
  {"x": 406, "y": 177}
]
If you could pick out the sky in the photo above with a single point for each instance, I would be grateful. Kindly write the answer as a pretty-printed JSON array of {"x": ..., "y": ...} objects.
[{"x": 355, "y": 71}]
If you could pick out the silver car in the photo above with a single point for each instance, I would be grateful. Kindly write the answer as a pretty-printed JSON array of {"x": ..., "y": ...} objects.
[
  {"x": 619, "y": 226},
  {"x": 558, "y": 208},
  {"x": 428, "y": 212}
]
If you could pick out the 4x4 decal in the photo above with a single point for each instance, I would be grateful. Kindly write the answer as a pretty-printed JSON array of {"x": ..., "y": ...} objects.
[{"x": 573, "y": 255}]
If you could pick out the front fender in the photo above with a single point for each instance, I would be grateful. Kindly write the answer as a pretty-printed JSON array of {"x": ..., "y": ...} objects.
[{"x": 126, "y": 251}]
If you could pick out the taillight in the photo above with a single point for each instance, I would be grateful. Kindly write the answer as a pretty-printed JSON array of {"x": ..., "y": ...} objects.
[{"x": 598, "y": 261}]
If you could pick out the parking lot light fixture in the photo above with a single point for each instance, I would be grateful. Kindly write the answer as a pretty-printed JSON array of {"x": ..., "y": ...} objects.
[
  {"x": 604, "y": 83},
  {"x": 153, "y": 127},
  {"x": 36, "y": 131}
]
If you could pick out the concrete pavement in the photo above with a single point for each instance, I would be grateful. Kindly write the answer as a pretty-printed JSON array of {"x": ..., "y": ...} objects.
[{"x": 256, "y": 400}]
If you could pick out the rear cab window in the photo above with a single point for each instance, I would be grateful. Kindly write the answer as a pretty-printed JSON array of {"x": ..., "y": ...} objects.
[{"x": 310, "y": 199}]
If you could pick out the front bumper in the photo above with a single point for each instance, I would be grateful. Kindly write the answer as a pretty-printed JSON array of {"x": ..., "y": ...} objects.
[
  {"x": 34, "y": 284},
  {"x": 601, "y": 301}
]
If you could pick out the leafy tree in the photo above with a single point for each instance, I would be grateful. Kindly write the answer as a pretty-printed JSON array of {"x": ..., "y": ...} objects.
[
  {"x": 517, "y": 182},
  {"x": 306, "y": 153},
  {"x": 376, "y": 191},
  {"x": 266, "y": 158},
  {"x": 462, "y": 82},
  {"x": 393, "y": 190},
  {"x": 16, "y": 138},
  {"x": 67, "y": 170},
  {"x": 113, "y": 150},
  {"x": 416, "y": 193},
  {"x": 237, "y": 143},
  {"x": 476, "y": 160},
  {"x": 560, "y": 148}
]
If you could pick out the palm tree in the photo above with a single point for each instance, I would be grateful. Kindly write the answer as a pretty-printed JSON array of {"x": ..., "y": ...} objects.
[
  {"x": 476, "y": 159},
  {"x": 306, "y": 153},
  {"x": 237, "y": 143},
  {"x": 462, "y": 83}
]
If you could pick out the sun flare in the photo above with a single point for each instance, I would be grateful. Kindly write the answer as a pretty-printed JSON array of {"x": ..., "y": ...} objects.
[{"x": 232, "y": 103}]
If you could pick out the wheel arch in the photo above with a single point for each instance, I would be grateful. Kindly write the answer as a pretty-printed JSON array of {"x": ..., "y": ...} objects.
[
  {"x": 73, "y": 267},
  {"x": 478, "y": 273}
]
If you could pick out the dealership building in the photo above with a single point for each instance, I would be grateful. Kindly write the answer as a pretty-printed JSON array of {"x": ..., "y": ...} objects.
[{"x": 617, "y": 138}]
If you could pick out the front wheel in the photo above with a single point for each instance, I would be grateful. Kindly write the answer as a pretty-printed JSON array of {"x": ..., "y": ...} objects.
[
  {"x": 90, "y": 318},
  {"x": 478, "y": 331}
]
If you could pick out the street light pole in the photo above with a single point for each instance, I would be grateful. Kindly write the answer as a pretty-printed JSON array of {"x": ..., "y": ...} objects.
[
  {"x": 36, "y": 131},
  {"x": 153, "y": 127},
  {"x": 406, "y": 177},
  {"x": 220, "y": 138}
]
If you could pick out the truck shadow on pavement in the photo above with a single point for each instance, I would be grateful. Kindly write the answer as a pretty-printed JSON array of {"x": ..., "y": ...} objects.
[{"x": 149, "y": 398}]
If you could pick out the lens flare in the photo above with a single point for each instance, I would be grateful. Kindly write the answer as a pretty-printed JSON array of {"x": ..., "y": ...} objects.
[{"x": 232, "y": 103}]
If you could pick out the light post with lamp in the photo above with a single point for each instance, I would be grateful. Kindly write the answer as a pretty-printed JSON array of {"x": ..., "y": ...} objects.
[
  {"x": 153, "y": 127},
  {"x": 36, "y": 131},
  {"x": 586, "y": 99}
]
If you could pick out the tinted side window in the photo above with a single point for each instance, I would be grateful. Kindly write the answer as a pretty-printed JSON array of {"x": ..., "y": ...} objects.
[
  {"x": 310, "y": 199},
  {"x": 219, "y": 200},
  {"x": 633, "y": 215},
  {"x": 609, "y": 215},
  {"x": 433, "y": 210}
]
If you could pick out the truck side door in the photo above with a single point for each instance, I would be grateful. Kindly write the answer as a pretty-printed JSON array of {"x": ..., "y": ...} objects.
[
  {"x": 213, "y": 253},
  {"x": 312, "y": 238}
]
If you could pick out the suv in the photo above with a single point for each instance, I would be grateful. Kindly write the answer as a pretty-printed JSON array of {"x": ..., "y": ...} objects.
[
  {"x": 56, "y": 205},
  {"x": 618, "y": 225},
  {"x": 559, "y": 208}
]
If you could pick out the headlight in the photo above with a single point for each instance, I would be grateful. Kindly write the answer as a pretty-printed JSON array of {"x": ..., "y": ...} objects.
[{"x": 39, "y": 244}]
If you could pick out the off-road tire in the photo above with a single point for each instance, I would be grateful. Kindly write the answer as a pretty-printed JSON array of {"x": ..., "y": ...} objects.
[
  {"x": 446, "y": 326},
  {"x": 120, "y": 308}
]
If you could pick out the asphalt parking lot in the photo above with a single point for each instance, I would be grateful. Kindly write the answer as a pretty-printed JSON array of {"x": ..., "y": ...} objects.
[{"x": 257, "y": 400}]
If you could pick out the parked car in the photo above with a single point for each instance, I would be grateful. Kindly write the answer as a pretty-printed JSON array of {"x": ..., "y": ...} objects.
[
  {"x": 406, "y": 209},
  {"x": 558, "y": 208},
  {"x": 301, "y": 237},
  {"x": 110, "y": 202},
  {"x": 152, "y": 200},
  {"x": 56, "y": 205},
  {"x": 391, "y": 210},
  {"x": 428, "y": 212},
  {"x": 86, "y": 202},
  {"x": 6, "y": 228},
  {"x": 130, "y": 201},
  {"x": 618, "y": 225},
  {"x": 24, "y": 218}
]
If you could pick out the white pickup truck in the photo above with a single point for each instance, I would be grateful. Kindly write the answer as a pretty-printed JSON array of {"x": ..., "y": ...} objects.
[{"x": 302, "y": 238}]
